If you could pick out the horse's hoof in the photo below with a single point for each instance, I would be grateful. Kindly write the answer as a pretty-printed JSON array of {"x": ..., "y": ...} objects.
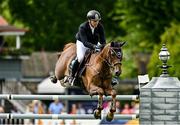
[
  {"x": 53, "y": 79},
  {"x": 97, "y": 114},
  {"x": 92, "y": 93},
  {"x": 110, "y": 116}
]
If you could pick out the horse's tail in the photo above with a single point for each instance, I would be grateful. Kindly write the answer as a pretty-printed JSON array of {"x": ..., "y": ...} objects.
[
  {"x": 67, "y": 46},
  {"x": 59, "y": 54}
]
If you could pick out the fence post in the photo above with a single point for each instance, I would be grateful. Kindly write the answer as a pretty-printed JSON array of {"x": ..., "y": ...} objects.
[{"x": 159, "y": 99}]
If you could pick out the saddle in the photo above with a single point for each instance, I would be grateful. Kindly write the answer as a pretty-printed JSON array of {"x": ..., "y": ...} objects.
[
  {"x": 82, "y": 66},
  {"x": 86, "y": 59}
]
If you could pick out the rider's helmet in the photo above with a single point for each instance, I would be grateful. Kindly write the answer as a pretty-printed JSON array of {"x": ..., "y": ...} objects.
[{"x": 93, "y": 15}]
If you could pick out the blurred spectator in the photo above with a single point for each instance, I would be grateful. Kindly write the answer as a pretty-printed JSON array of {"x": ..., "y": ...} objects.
[
  {"x": 15, "y": 110},
  {"x": 134, "y": 107},
  {"x": 106, "y": 107},
  {"x": 118, "y": 107},
  {"x": 90, "y": 111},
  {"x": 56, "y": 107},
  {"x": 126, "y": 109},
  {"x": 80, "y": 109},
  {"x": 29, "y": 110},
  {"x": 133, "y": 110},
  {"x": 1, "y": 109},
  {"x": 73, "y": 109},
  {"x": 35, "y": 106},
  {"x": 38, "y": 107}
]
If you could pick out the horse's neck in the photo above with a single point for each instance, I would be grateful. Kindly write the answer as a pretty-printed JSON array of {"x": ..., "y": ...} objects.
[
  {"x": 104, "y": 52},
  {"x": 102, "y": 60}
]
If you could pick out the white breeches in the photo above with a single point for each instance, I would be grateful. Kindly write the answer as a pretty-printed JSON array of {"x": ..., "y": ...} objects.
[{"x": 81, "y": 50}]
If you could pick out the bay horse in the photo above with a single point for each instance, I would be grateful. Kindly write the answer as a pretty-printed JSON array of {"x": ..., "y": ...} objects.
[{"x": 98, "y": 74}]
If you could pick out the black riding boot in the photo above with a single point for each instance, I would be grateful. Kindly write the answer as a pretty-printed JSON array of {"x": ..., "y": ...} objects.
[{"x": 75, "y": 65}]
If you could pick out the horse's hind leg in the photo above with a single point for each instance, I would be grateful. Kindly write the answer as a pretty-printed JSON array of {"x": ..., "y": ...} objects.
[
  {"x": 110, "y": 114},
  {"x": 97, "y": 112}
]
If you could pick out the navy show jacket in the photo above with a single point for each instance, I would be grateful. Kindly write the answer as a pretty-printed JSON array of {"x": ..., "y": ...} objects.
[{"x": 87, "y": 38}]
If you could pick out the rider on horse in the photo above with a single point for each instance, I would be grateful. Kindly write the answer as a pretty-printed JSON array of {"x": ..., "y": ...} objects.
[{"x": 89, "y": 36}]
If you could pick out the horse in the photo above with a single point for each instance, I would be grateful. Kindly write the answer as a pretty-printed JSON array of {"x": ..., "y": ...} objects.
[{"x": 98, "y": 74}]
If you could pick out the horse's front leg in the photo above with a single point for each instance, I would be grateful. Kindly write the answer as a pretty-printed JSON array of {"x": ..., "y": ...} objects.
[
  {"x": 95, "y": 90},
  {"x": 97, "y": 112},
  {"x": 110, "y": 114}
]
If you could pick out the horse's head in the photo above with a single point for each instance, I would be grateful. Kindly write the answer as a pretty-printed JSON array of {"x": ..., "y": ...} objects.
[{"x": 115, "y": 56}]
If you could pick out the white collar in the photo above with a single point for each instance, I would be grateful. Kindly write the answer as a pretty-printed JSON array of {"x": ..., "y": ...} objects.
[{"x": 92, "y": 28}]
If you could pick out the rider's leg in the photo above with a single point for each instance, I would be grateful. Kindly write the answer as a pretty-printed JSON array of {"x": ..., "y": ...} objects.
[
  {"x": 75, "y": 65},
  {"x": 80, "y": 51}
]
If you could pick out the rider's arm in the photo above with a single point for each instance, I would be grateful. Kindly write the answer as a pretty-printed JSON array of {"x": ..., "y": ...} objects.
[
  {"x": 102, "y": 35},
  {"x": 84, "y": 39}
]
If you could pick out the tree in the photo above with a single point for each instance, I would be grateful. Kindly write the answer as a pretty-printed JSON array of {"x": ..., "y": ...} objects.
[
  {"x": 54, "y": 23},
  {"x": 172, "y": 39},
  {"x": 143, "y": 23}
]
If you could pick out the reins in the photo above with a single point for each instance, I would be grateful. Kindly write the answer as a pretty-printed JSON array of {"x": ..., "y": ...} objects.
[{"x": 107, "y": 60}]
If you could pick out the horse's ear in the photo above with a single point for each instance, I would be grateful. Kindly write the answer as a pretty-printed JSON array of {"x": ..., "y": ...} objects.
[
  {"x": 112, "y": 44},
  {"x": 122, "y": 43}
]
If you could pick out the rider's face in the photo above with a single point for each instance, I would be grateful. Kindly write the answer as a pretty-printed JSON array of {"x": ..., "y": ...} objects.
[{"x": 94, "y": 23}]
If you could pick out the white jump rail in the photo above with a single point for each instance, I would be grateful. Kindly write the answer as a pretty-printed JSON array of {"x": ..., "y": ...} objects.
[
  {"x": 63, "y": 97},
  {"x": 63, "y": 116}
]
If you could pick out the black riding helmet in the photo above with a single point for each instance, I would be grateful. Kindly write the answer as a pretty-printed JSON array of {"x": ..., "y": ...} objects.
[{"x": 93, "y": 15}]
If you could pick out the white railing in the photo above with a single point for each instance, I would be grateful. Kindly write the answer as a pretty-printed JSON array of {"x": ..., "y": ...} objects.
[
  {"x": 63, "y": 116},
  {"x": 63, "y": 97}
]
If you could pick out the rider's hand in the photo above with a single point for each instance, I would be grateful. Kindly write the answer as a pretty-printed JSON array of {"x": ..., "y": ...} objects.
[{"x": 97, "y": 48}]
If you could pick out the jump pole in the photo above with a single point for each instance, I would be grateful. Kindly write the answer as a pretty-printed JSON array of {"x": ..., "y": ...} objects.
[
  {"x": 63, "y": 97},
  {"x": 62, "y": 116}
]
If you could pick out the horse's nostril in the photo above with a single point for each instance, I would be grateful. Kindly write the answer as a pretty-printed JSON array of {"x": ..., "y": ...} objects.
[{"x": 118, "y": 73}]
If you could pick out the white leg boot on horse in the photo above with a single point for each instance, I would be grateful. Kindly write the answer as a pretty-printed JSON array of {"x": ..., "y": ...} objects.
[{"x": 110, "y": 115}]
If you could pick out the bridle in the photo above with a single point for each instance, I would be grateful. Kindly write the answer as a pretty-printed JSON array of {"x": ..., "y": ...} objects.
[
  {"x": 112, "y": 52},
  {"x": 108, "y": 60}
]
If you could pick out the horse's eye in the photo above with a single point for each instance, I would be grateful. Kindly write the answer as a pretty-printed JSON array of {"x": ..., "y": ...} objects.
[{"x": 113, "y": 54}]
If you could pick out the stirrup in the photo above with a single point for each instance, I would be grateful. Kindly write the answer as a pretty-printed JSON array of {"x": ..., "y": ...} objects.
[
  {"x": 72, "y": 81},
  {"x": 69, "y": 80}
]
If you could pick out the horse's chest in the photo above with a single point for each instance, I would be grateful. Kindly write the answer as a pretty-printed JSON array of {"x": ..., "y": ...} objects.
[{"x": 102, "y": 79}]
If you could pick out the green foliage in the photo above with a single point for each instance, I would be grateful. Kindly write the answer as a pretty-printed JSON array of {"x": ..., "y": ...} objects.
[
  {"x": 52, "y": 23},
  {"x": 15, "y": 52},
  {"x": 145, "y": 20},
  {"x": 129, "y": 69},
  {"x": 172, "y": 39}
]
